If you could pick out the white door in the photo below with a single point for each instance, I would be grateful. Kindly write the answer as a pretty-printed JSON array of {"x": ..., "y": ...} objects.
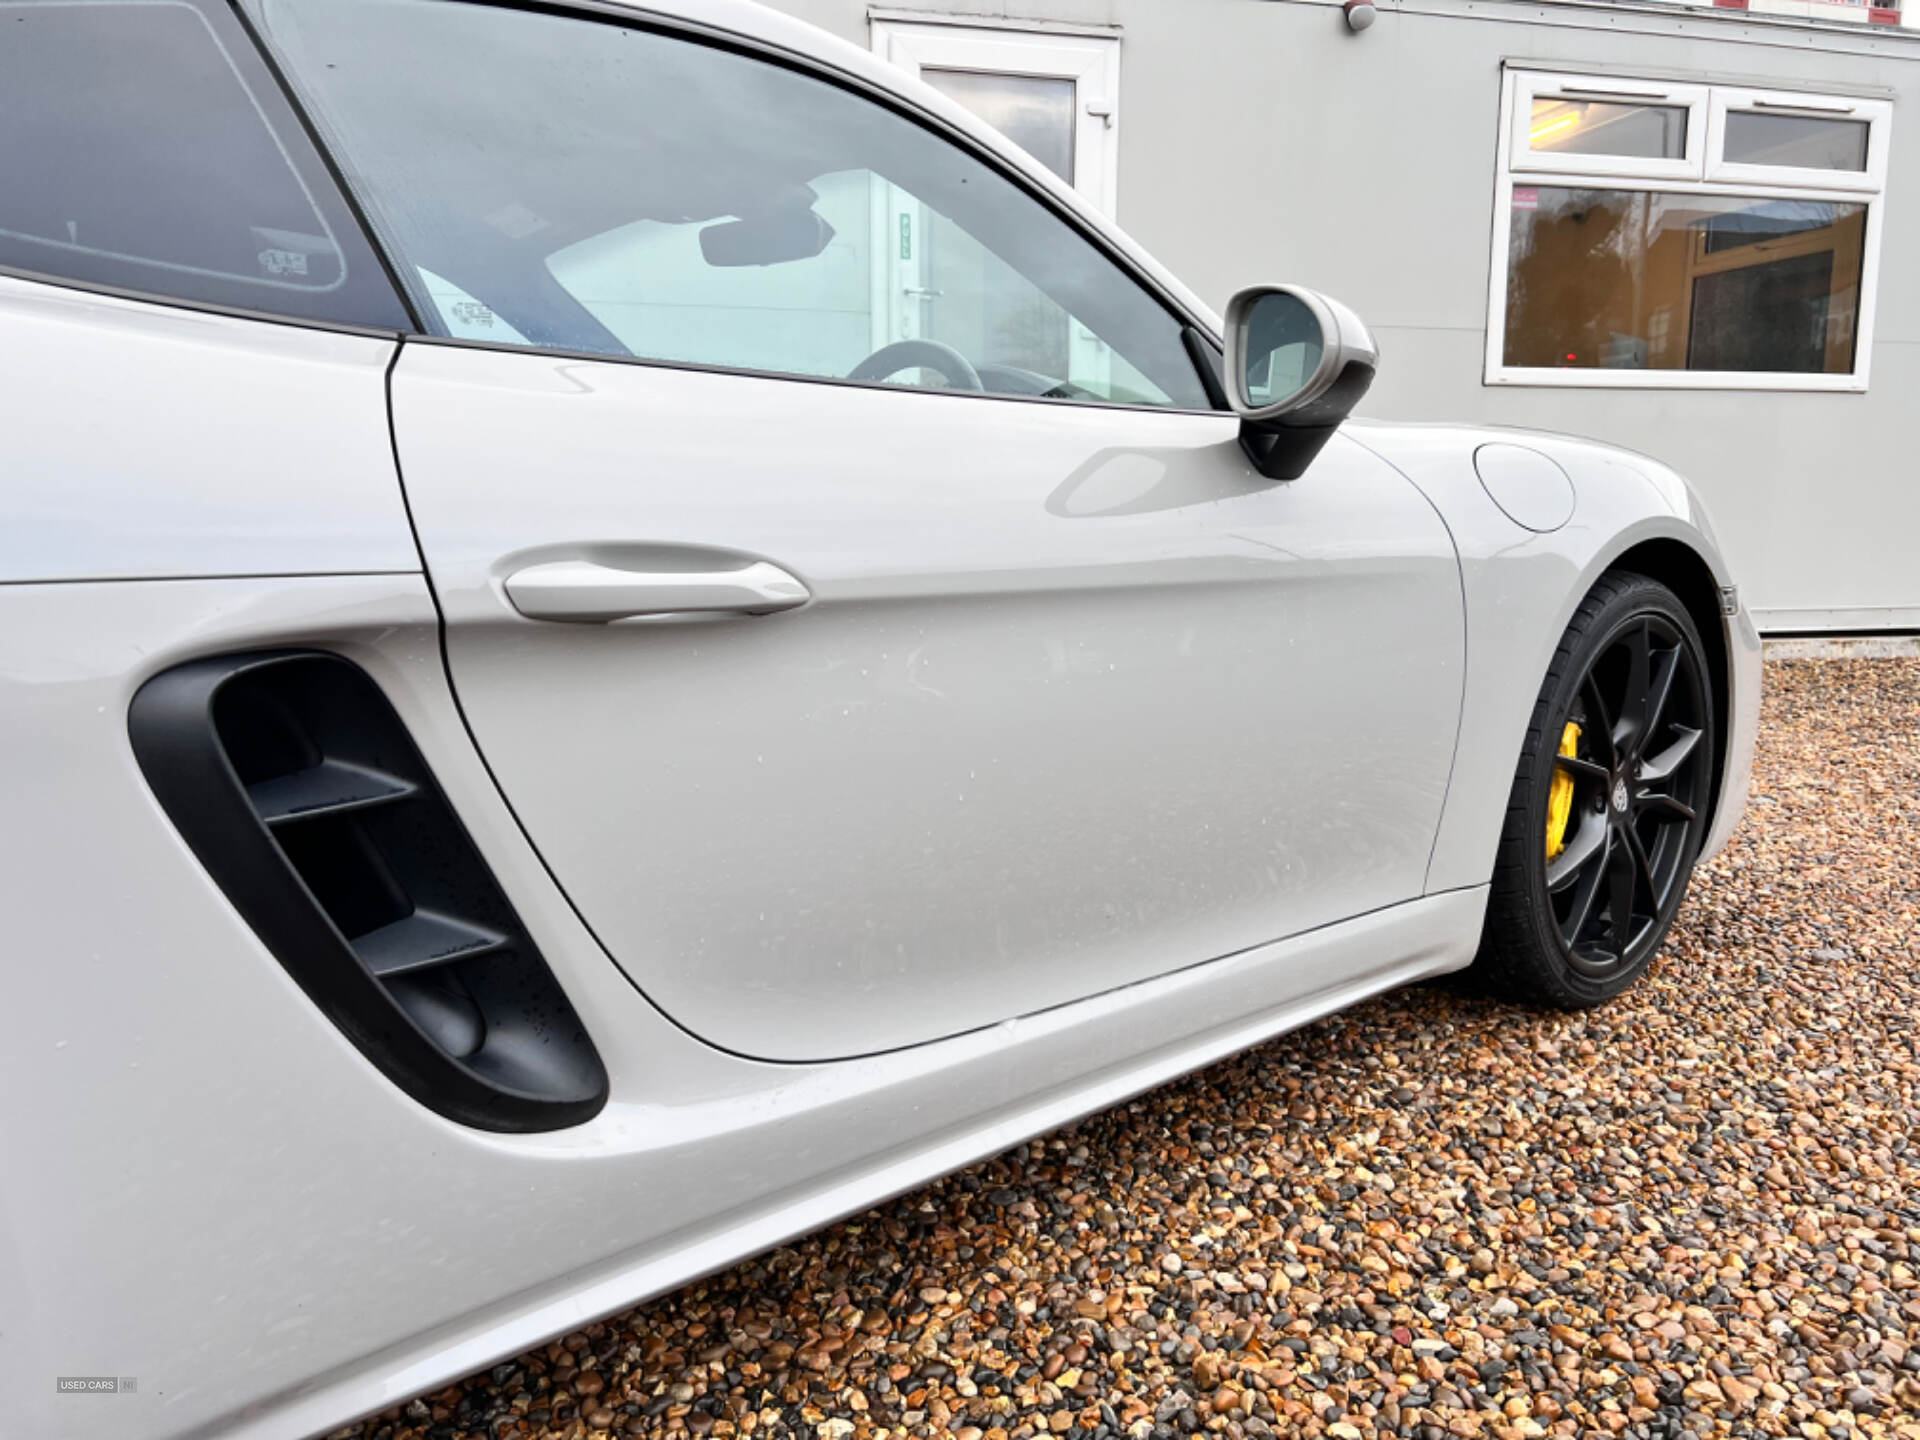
[{"x": 853, "y": 715}]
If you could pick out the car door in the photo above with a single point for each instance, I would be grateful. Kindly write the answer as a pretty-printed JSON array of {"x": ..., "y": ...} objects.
[{"x": 855, "y": 714}]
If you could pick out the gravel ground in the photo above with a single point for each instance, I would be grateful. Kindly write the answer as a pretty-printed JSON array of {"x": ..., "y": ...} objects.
[{"x": 1433, "y": 1215}]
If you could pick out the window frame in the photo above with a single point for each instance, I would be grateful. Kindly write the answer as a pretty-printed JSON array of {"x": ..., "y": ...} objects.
[
  {"x": 1876, "y": 115},
  {"x": 1529, "y": 86},
  {"x": 1518, "y": 166}
]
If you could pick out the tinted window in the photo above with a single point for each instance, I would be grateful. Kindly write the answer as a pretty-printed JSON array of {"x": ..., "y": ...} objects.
[
  {"x": 1603, "y": 127},
  {"x": 1815, "y": 144},
  {"x": 1653, "y": 280},
  {"x": 570, "y": 183},
  {"x": 146, "y": 149}
]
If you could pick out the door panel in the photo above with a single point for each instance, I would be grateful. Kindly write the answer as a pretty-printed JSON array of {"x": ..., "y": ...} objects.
[{"x": 1075, "y": 700}]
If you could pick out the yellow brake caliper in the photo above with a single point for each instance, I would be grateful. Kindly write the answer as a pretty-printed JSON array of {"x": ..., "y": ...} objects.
[{"x": 1560, "y": 797}]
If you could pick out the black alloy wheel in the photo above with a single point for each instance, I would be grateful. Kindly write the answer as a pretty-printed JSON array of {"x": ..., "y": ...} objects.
[{"x": 1609, "y": 803}]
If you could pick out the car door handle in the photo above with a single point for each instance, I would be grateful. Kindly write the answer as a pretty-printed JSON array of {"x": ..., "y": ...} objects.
[{"x": 588, "y": 593}]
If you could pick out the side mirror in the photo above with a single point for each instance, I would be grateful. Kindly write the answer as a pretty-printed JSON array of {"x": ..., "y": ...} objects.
[{"x": 1296, "y": 365}]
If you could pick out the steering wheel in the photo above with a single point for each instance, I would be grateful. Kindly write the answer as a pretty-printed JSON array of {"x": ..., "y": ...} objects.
[{"x": 922, "y": 355}]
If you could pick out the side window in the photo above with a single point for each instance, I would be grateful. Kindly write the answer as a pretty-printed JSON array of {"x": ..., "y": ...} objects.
[
  {"x": 147, "y": 149},
  {"x": 578, "y": 184}
]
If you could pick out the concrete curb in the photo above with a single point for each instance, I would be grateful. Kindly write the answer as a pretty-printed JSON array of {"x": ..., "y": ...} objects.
[{"x": 1841, "y": 647}]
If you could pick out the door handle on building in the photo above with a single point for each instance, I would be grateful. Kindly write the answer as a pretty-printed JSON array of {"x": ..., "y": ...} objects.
[{"x": 586, "y": 592}]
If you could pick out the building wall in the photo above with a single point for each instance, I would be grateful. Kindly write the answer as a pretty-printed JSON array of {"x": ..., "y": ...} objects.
[{"x": 1260, "y": 140}]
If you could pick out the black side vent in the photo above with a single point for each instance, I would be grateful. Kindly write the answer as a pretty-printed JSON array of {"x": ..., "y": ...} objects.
[{"x": 295, "y": 783}]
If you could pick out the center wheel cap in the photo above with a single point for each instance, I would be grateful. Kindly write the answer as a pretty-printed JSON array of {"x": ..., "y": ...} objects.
[{"x": 1620, "y": 796}]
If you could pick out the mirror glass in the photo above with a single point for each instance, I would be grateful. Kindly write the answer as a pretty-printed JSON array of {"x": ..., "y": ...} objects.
[{"x": 1282, "y": 349}]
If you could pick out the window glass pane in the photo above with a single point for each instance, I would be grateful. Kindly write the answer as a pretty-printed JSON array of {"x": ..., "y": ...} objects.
[
  {"x": 1033, "y": 111},
  {"x": 1646, "y": 280},
  {"x": 1816, "y": 143},
  {"x": 651, "y": 285},
  {"x": 145, "y": 149},
  {"x": 462, "y": 316},
  {"x": 1604, "y": 127},
  {"x": 595, "y": 187}
]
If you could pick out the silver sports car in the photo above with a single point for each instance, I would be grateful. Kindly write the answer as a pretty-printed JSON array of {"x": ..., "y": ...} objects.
[{"x": 624, "y": 633}]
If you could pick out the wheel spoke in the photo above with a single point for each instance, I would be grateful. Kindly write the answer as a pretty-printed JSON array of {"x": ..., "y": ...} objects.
[
  {"x": 1583, "y": 767},
  {"x": 1621, "y": 875},
  {"x": 1669, "y": 666},
  {"x": 1631, "y": 723},
  {"x": 1662, "y": 766},
  {"x": 1643, "y": 865},
  {"x": 1591, "y": 689},
  {"x": 1590, "y": 883},
  {"x": 1648, "y": 800},
  {"x": 1585, "y": 843}
]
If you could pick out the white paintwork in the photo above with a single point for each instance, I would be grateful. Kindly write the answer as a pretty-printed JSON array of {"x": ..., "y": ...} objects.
[
  {"x": 1074, "y": 702},
  {"x": 209, "y": 1188},
  {"x": 143, "y": 440},
  {"x": 1534, "y": 492},
  {"x": 1521, "y": 590}
]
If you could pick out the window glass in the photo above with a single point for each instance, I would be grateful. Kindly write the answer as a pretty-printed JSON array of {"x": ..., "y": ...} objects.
[
  {"x": 146, "y": 149},
  {"x": 1814, "y": 143},
  {"x": 1604, "y": 127},
  {"x": 596, "y": 187},
  {"x": 1649, "y": 280},
  {"x": 462, "y": 316},
  {"x": 1033, "y": 111}
]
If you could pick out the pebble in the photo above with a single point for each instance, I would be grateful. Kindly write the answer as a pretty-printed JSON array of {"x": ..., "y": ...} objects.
[{"x": 1693, "y": 1211}]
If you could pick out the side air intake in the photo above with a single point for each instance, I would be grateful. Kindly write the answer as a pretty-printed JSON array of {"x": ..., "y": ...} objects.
[{"x": 299, "y": 789}]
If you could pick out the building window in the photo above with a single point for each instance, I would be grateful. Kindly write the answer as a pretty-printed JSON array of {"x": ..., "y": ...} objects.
[{"x": 1684, "y": 236}]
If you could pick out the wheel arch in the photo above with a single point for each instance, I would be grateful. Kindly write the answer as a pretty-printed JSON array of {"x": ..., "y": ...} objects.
[{"x": 1521, "y": 588}]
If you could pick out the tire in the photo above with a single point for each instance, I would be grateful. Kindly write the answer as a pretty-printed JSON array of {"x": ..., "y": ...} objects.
[{"x": 1631, "y": 673}]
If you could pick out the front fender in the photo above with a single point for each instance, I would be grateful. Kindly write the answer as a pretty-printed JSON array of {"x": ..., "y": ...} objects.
[{"x": 1521, "y": 588}]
